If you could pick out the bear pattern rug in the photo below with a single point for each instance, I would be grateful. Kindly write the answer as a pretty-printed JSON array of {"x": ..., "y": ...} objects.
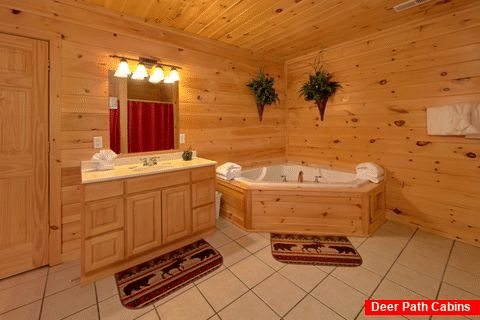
[
  {"x": 319, "y": 250},
  {"x": 152, "y": 280}
]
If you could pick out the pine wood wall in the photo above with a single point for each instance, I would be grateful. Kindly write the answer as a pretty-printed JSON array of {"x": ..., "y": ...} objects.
[
  {"x": 218, "y": 114},
  {"x": 389, "y": 80}
]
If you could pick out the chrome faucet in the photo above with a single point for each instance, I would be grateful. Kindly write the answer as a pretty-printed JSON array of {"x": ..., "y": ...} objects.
[
  {"x": 316, "y": 178},
  {"x": 300, "y": 176},
  {"x": 152, "y": 161},
  {"x": 145, "y": 161},
  {"x": 284, "y": 178}
]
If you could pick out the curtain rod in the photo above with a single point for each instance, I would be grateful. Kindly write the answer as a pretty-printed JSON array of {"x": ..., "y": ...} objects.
[
  {"x": 138, "y": 100},
  {"x": 148, "y": 61}
]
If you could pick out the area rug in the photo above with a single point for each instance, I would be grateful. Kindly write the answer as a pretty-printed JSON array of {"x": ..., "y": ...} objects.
[
  {"x": 319, "y": 250},
  {"x": 152, "y": 280}
]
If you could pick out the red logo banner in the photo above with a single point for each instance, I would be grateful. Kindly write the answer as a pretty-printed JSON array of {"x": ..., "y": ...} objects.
[{"x": 422, "y": 307}]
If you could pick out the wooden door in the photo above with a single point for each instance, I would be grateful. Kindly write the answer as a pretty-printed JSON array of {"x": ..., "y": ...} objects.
[
  {"x": 144, "y": 222},
  {"x": 176, "y": 213},
  {"x": 23, "y": 154}
]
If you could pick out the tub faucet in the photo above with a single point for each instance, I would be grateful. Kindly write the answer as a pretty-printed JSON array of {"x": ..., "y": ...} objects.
[
  {"x": 300, "y": 176},
  {"x": 284, "y": 178},
  {"x": 316, "y": 178}
]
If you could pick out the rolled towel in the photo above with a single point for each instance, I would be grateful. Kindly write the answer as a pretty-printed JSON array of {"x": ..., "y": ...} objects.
[
  {"x": 105, "y": 159},
  {"x": 229, "y": 176},
  {"x": 228, "y": 167},
  {"x": 369, "y": 169}
]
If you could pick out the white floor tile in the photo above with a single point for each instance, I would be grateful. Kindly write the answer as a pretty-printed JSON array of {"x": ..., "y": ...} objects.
[
  {"x": 418, "y": 282},
  {"x": 428, "y": 250},
  {"x": 232, "y": 253},
  {"x": 448, "y": 291},
  {"x": 432, "y": 239},
  {"x": 381, "y": 247},
  {"x": 359, "y": 278},
  {"x": 463, "y": 280},
  {"x": 279, "y": 293},
  {"x": 29, "y": 312},
  {"x": 266, "y": 256},
  {"x": 253, "y": 242},
  {"x": 222, "y": 289},
  {"x": 112, "y": 309},
  {"x": 215, "y": 317},
  {"x": 326, "y": 269},
  {"x": 234, "y": 232},
  {"x": 22, "y": 294},
  {"x": 190, "y": 305},
  {"x": 375, "y": 261},
  {"x": 248, "y": 307},
  {"x": 251, "y": 271},
  {"x": 223, "y": 223},
  {"x": 152, "y": 315},
  {"x": 63, "y": 279},
  {"x": 391, "y": 291},
  {"x": 422, "y": 264},
  {"x": 357, "y": 241},
  {"x": 174, "y": 294},
  {"x": 23, "y": 278},
  {"x": 89, "y": 313},
  {"x": 68, "y": 302},
  {"x": 310, "y": 308},
  {"x": 340, "y": 297},
  {"x": 218, "y": 239},
  {"x": 211, "y": 274},
  {"x": 304, "y": 276},
  {"x": 106, "y": 288},
  {"x": 465, "y": 257}
]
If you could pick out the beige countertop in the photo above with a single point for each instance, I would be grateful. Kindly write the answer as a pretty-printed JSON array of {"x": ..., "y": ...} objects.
[{"x": 137, "y": 169}]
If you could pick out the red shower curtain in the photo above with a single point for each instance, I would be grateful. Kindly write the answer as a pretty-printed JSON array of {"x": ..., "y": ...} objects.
[
  {"x": 115, "y": 130},
  {"x": 150, "y": 126}
]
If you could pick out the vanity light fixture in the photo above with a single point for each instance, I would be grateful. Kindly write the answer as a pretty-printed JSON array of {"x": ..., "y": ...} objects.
[
  {"x": 123, "y": 69},
  {"x": 157, "y": 72}
]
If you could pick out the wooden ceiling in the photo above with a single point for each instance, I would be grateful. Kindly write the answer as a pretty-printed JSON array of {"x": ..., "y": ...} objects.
[{"x": 283, "y": 29}]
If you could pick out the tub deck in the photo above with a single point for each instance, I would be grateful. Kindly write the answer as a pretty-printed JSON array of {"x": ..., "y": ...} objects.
[{"x": 335, "y": 211}]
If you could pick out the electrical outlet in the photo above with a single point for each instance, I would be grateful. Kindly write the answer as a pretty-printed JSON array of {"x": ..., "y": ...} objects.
[
  {"x": 182, "y": 138},
  {"x": 97, "y": 142}
]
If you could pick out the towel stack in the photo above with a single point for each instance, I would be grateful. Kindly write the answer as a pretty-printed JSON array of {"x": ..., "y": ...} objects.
[
  {"x": 229, "y": 171},
  {"x": 370, "y": 171},
  {"x": 455, "y": 119},
  {"x": 105, "y": 159}
]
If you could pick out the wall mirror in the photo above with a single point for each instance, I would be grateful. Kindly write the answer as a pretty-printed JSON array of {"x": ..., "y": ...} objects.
[{"x": 143, "y": 115}]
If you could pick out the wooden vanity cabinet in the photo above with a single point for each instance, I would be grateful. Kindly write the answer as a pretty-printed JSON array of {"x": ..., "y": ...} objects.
[{"x": 130, "y": 221}]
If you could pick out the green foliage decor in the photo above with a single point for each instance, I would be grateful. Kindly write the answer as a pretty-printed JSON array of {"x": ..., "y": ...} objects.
[
  {"x": 264, "y": 92},
  {"x": 319, "y": 88}
]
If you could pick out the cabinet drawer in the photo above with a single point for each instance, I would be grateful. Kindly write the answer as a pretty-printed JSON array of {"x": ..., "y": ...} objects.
[
  {"x": 203, "y": 218},
  {"x": 102, "y": 190},
  {"x": 157, "y": 181},
  {"x": 203, "y": 173},
  {"x": 203, "y": 192},
  {"x": 103, "y": 215},
  {"x": 103, "y": 250}
]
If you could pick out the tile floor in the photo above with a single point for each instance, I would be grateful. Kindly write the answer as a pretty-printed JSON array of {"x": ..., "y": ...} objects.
[{"x": 399, "y": 262}]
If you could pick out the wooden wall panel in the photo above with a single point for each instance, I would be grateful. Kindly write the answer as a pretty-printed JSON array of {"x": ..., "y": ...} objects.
[
  {"x": 389, "y": 79},
  {"x": 217, "y": 111}
]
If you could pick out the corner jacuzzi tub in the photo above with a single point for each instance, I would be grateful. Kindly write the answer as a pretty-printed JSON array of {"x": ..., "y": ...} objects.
[{"x": 326, "y": 202}]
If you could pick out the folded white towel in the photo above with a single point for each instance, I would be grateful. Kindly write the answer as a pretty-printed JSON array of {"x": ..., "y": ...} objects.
[
  {"x": 371, "y": 178},
  {"x": 455, "y": 119},
  {"x": 369, "y": 169},
  {"x": 228, "y": 167},
  {"x": 105, "y": 159},
  {"x": 229, "y": 176}
]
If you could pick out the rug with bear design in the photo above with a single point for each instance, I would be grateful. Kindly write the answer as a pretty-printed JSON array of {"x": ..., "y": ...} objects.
[
  {"x": 317, "y": 250},
  {"x": 150, "y": 281}
]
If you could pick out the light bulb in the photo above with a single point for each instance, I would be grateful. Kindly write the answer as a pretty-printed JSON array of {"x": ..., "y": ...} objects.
[
  {"x": 173, "y": 75},
  {"x": 157, "y": 75},
  {"x": 140, "y": 72},
  {"x": 123, "y": 69}
]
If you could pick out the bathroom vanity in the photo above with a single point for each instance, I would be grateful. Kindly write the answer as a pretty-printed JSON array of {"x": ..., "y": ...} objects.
[{"x": 135, "y": 212}]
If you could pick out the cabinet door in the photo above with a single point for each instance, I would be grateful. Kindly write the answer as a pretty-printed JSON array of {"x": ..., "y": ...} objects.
[
  {"x": 203, "y": 218},
  {"x": 103, "y": 215},
  {"x": 203, "y": 192},
  {"x": 176, "y": 213},
  {"x": 103, "y": 250},
  {"x": 144, "y": 218}
]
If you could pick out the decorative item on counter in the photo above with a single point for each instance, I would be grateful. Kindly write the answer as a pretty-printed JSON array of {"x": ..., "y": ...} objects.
[
  {"x": 264, "y": 92},
  {"x": 319, "y": 87},
  {"x": 105, "y": 159},
  {"x": 187, "y": 155}
]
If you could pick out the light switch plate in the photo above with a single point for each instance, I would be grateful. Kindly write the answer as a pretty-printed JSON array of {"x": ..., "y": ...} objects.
[
  {"x": 113, "y": 103},
  {"x": 182, "y": 138},
  {"x": 97, "y": 142}
]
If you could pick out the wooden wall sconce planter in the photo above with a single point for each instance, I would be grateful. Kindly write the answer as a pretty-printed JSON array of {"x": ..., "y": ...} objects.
[
  {"x": 319, "y": 88},
  {"x": 264, "y": 92}
]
